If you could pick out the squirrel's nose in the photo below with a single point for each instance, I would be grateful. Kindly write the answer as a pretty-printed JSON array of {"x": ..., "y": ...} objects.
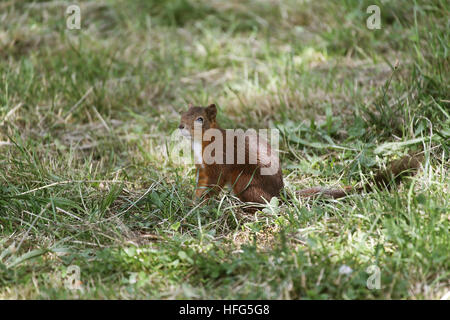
[{"x": 181, "y": 126}]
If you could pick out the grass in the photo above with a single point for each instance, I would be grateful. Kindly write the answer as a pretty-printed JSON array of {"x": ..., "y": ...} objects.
[{"x": 85, "y": 116}]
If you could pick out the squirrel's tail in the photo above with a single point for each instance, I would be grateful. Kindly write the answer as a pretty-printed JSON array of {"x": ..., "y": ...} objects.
[{"x": 384, "y": 179}]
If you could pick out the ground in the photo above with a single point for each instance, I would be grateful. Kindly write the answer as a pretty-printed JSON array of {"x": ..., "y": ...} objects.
[{"x": 91, "y": 206}]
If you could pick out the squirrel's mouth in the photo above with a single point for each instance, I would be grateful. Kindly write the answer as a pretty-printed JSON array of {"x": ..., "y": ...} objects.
[{"x": 185, "y": 133}]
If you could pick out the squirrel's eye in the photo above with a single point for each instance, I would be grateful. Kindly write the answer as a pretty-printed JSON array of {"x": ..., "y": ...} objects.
[{"x": 199, "y": 119}]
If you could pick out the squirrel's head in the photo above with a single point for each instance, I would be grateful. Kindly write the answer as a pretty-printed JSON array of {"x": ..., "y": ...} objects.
[{"x": 198, "y": 117}]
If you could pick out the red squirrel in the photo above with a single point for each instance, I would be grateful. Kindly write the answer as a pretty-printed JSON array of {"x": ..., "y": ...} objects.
[{"x": 247, "y": 177}]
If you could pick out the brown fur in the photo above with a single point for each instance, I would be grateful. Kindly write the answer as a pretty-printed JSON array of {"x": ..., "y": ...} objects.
[
  {"x": 246, "y": 180},
  {"x": 405, "y": 166}
]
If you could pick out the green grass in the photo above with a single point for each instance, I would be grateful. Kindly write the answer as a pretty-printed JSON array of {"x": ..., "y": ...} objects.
[{"x": 85, "y": 116}]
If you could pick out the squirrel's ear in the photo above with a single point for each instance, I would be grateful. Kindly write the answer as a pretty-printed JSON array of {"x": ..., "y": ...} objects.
[
  {"x": 211, "y": 110},
  {"x": 190, "y": 105}
]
